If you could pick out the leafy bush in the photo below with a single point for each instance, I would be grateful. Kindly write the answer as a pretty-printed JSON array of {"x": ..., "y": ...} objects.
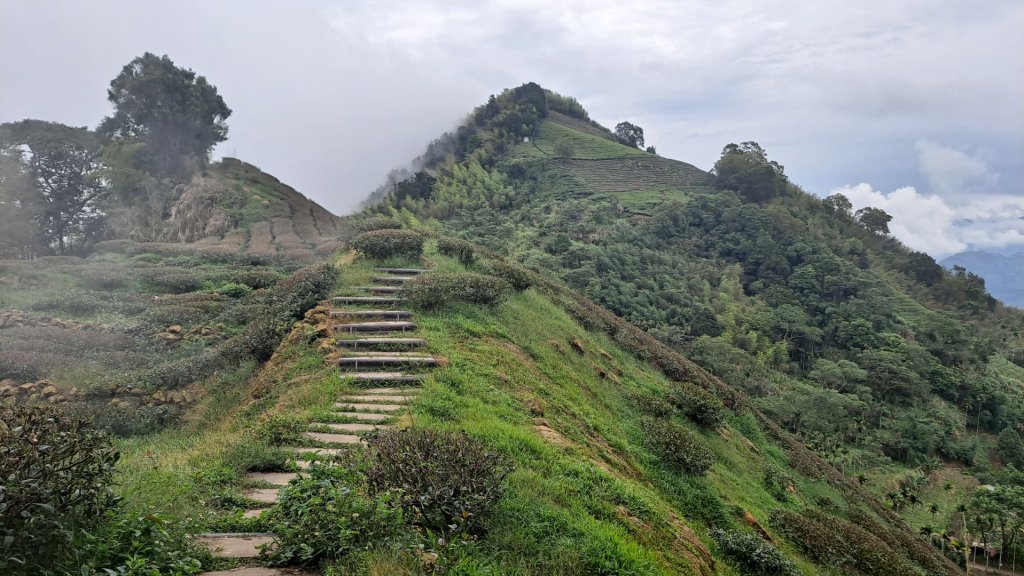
[
  {"x": 57, "y": 474},
  {"x": 233, "y": 290},
  {"x": 833, "y": 541},
  {"x": 679, "y": 447},
  {"x": 131, "y": 545},
  {"x": 324, "y": 516},
  {"x": 456, "y": 248},
  {"x": 73, "y": 302},
  {"x": 389, "y": 243},
  {"x": 752, "y": 554},
  {"x": 698, "y": 404},
  {"x": 251, "y": 455},
  {"x": 254, "y": 278},
  {"x": 281, "y": 430},
  {"x": 652, "y": 405},
  {"x": 446, "y": 481},
  {"x": 104, "y": 277},
  {"x": 441, "y": 289},
  {"x": 520, "y": 278},
  {"x": 777, "y": 482}
]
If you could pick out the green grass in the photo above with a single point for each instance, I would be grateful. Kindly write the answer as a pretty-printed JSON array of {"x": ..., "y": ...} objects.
[{"x": 584, "y": 146}]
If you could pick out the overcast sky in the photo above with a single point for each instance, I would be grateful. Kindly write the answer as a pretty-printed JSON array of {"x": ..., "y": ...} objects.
[{"x": 914, "y": 106}]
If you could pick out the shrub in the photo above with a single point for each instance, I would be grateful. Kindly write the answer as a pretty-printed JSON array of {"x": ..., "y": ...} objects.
[
  {"x": 698, "y": 404},
  {"x": 446, "y": 481},
  {"x": 833, "y": 541},
  {"x": 651, "y": 405},
  {"x": 57, "y": 475},
  {"x": 377, "y": 223},
  {"x": 73, "y": 302},
  {"x": 324, "y": 516},
  {"x": 520, "y": 278},
  {"x": 251, "y": 455},
  {"x": 255, "y": 278},
  {"x": 103, "y": 277},
  {"x": 130, "y": 545},
  {"x": 456, "y": 248},
  {"x": 233, "y": 290},
  {"x": 777, "y": 482},
  {"x": 753, "y": 555},
  {"x": 440, "y": 289},
  {"x": 679, "y": 447},
  {"x": 281, "y": 430},
  {"x": 389, "y": 243}
]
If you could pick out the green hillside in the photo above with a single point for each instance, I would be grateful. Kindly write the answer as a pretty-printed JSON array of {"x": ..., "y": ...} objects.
[{"x": 891, "y": 368}]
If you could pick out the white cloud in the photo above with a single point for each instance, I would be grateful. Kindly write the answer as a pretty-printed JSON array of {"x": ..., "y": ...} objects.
[
  {"x": 929, "y": 223},
  {"x": 951, "y": 172}
]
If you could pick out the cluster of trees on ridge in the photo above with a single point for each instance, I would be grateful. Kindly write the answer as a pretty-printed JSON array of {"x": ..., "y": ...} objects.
[
  {"x": 63, "y": 188},
  {"x": 869, "y": 351}
]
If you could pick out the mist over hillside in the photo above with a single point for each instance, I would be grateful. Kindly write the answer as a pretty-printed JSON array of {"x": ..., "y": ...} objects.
[{"x": 1003, "y": 273}]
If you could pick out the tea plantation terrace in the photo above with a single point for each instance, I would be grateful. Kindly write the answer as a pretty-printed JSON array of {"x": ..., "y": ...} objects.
[{"x": 365, "y": 360}]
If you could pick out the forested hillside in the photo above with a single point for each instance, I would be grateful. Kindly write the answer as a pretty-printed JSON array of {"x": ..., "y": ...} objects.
[
  {"x": 897, "y": 371},
  {"x": 1004, "y": 275}
]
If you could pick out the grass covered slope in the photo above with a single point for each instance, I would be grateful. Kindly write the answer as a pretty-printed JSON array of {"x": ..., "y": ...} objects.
[{"x": 615, "y": 467}]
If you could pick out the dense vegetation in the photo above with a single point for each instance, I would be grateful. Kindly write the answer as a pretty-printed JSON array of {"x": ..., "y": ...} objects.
[{"x": 882, "y": 361}]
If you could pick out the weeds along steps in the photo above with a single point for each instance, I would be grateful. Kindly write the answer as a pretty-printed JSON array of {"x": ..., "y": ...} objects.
[{"x": 386, "y": 367}]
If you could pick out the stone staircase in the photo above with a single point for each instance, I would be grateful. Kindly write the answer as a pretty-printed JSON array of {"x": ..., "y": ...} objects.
[{"x": 383, "y": 363}]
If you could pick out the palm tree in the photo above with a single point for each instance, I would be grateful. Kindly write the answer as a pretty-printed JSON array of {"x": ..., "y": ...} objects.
[
  {"x": 933, "y": 509},
  {"x": 948, "y": 488}
]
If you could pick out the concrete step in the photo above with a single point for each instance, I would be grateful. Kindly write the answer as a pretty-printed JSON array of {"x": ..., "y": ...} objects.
[
  {"x": 385, "y": 398},
  {"x": 368, "y": 300},
  {"x": 398, "y": 391},
  {"x": 365, "y": 417},
  {"x": 393, "y": 279},
  {"x": 258, "y": 571},
  {"x": 262, "y": 495},
  {"x": 389, "y": 354},
  {"x": 353, "y": 428},
  {"x": 317, "y": 451},
  {"x": 382, "y": 377},
  {"x": 396, "y": 314},
  {"x": 254, "y": 513},
  {"x": 389, "y": 360},
  {"x": 384, "y": 326},
  {"x": 235, "y": 545},
  {"x": 402, "y": 271},
  {"x": 369, "y": 407},
  {"x": 328, "y": 438},
  {"x": 275, "y": 478},
  {"x": 380, "y": 342},
  {"x": 381, "y": 289}
]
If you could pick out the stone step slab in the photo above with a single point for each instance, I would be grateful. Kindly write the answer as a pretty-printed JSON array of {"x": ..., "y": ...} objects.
[
  {"x": 237, "y": 545},
  {"x": 379, "y": 342},
  {"x": 367, "y": 300},
  {"x": 353, "y": 427},
  {"x": 385, "y": 398},
  {"x": 329, "y": 438},
  {"x": 398, "y": 391},
  {"x": 262, "y": 495},
  {"x": 388, "y": 354},
  {"x": 382, "y": 326},
  {"x": 392, "y": 360},
  {"x": 381, "y": 289},
  {"x": 370, "y": 407},
  {"x": 392, "y": 279},
  {"x": 402, "y": 271},
  {"x": 364, "y": 416},
  {"x": 396, "y": 314},
  {"x": 258, "y": 571},
  {"x": 317, "y": 451},
  {"x": 275, "y": 478},
  {"x": 382, "y": 377},
  {"x": 254, "y": 513}
]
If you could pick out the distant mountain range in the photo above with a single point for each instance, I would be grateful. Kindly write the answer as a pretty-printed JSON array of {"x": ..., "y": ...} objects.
[{"x": 1003, "y": 274}]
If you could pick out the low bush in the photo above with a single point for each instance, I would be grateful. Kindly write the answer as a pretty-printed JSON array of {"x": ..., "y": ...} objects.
[
  {"x": 132, "y": 545},
  {"x": 324, "y": 515},
  {"x": 752, "y": 555},
  {"x": 72, "y": 302},
  {"x": 251, "y": 455},
  {"x": 832, "y": 541},
  {"x": 778, "y": 482},
  {"x": 651, "y": 405},
  {"x": 698, "y": 404},
  {"x": 103, "y": 277},
  {"x": 254, "y": 278},
  {"x": 456, "y": 248},
  {"x": 233, "y": 290},
  {"x": 520, "y": 278},
  {"x": 281, "y": 430},
  {"x": 679, "y": 447},
  {"x": 442, "y": 289},
  {"x": 446, "y": 481},
  {"x": 56, "y": 483},
  {"x": 377, "y": 223},
  {"x": 389, "y": 243}
]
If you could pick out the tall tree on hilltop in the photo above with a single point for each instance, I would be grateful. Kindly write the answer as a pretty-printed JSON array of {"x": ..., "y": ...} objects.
[
  {"x": 177, "y": 115},
  {"x": 629, "y": 134},
  {"x": 60, "y": 184},
  {"x": 745, "y": 168},
  {"x": 873, "y": 219}
]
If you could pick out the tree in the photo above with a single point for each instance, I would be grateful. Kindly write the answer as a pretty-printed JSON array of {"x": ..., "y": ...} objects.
[
  {"x": 59, "y": 165},
  {"x": 178, "y": 115},
  {"x": 746, "y": 169},
  {"x": 839, "y": 203},
  {"x": 874, "y": 220},
  {"x": 629, "y": 134}
]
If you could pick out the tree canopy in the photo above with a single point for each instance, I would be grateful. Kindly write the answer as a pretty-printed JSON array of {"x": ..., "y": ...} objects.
[
  {"x": 629, "y": 134},
  {"x": 873, "y": 220},
  {"x": 745, "y": 168},
  {"x": 178, "y": 115}
]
